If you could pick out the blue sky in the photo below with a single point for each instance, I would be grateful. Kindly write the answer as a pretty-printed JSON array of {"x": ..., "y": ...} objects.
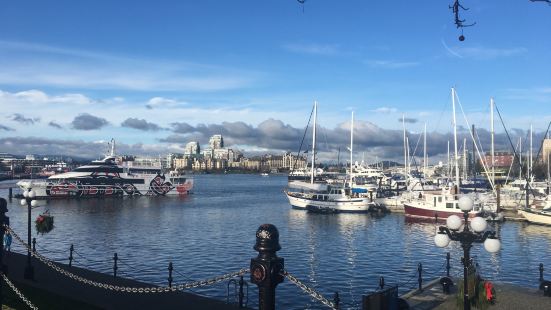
[{"x": 210, "y": 62}]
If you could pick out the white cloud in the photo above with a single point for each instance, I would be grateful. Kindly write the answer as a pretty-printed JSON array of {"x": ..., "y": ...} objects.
[
  {"x": 483, "y": 53},
  {"x": 385, "y": 110},
  {"x": 390, "y": 64},
  {"x": 33, "y": 64},
  {"x": 312, "y": 48}
]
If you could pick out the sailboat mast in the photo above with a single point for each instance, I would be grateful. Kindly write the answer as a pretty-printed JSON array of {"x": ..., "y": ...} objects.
[
  {"x": 492, "y": 139},
  {"x": 405, "y": 145},
  {"x": 531, "y": 162},
  {"x": 464, "y": 158},
  {"x": 314, "y": 142},
  {"x": 520, "y": 158},
  {"x": 425, "y": 151},
  {"x": 455, "y": 143},
  {"x": 448, "y": 166},
  {"x": 351, "y": 147}
]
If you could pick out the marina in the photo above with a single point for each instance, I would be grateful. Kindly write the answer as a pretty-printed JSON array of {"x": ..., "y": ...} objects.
[{"x": 332, "y": 252}]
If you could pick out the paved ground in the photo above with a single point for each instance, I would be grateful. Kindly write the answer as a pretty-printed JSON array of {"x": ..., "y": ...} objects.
[
  {"x": 507, "y": 297},
  {"x": 51, "y": 281}
]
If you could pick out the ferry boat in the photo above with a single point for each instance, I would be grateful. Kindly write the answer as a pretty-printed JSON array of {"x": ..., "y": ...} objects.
[{"x": 106, "y": 177}]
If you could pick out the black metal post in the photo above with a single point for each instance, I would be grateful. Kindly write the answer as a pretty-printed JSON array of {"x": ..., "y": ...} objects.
[
  {"x": 10, "y": 193},
  {"x": 34, "y": 245},
  {"x": 3, "y": 210},
  {"x": 267, "y": 267},
  {"x": 448, "y": 264},
  {"x": 170, "y": 274},
  {"x": 29, "y": 269},
  {"x": 466, "y": 262},
  {"x": 381, "y": 283},
  {"x": 115, "y": 267},
  {"x": 420, "y": 278},
  {"x": 241, "y": 295},
  {"x": 71, "y": 249},
  {"x": 337, "y": 300},
  {"x": 541, "y": 272}
]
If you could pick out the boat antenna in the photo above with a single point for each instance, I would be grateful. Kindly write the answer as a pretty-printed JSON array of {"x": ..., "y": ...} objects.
[{"x": 459, "y": 23}]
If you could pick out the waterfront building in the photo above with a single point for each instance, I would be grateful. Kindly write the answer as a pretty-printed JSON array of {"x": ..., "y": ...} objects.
[
  {"x": 501, "y": 159},
  {"x": 216, "y": 142},
  {"x": 192, "y": 148}
]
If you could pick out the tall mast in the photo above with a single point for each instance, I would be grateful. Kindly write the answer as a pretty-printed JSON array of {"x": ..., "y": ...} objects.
[
  {"x": 520, "y": 158},
  {"x": 492, "y": 139},
  {"x": 464, "y": 158},
  {"x": 405, "y": 145},
  {"x": 314, "y": 142},
  {"x": 448, "y": 166},
  {"x": 351, "y": 146},
  {"x": 425, "y": 151},
  {"x": 407, "y": 154},
  {"x": 455, "y": 142},
  {"x": 531, "y": 162}
]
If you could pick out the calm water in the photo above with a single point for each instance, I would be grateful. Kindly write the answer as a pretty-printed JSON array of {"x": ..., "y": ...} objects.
[{"x": 213, "y": 232}]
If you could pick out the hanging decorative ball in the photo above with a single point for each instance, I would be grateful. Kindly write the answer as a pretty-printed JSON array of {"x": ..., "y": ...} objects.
[{"x": 461, "y": 38}]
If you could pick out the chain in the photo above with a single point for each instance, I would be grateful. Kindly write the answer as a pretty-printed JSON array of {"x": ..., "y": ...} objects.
[
  {"x": 308, "y": 290},
  {"x": 156, "y": 289},
  {"x": 21, "y": 296}
]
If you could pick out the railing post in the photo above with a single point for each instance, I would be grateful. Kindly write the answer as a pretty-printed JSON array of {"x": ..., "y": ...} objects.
[
  {"x": 267, "y": 267},
  {"x": 336, "y": 300},
  {"x": 420, "y": 279},
  {"x": 381, "y": 283},
  {"x": 34, "y": 245},
  {"x": 71, "y": 249},
  {"x": 448, "y": 264},
  {"x": 241, "y": 295},
  {"x": 541, "y": 272},
  {"x": 115, "y": 259},
  {"x": 170, "y": 274},
  {"x": 10, "y": 193},
  {"x": 3, "y": 220}
]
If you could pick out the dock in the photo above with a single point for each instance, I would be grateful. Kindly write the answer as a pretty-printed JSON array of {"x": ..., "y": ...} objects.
[
  {"x": 50, "y": 281},
  {"x": 508, "y": 297}
]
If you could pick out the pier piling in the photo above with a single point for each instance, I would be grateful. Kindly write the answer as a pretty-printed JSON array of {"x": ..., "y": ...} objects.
[
  {"x": 420, "y": 279},
  {"x": 71, "y": 249},
  {"x": 170, "y": 274},
  {"x": 448, "y": 264},
  {"x": 541, "y": 272},
  {"x": 115, "y": 267}
]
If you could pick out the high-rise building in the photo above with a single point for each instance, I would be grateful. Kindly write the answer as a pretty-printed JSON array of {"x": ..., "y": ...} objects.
[
  {"x": 216, "y": 142},
  {"x": 192, "y": 148}
]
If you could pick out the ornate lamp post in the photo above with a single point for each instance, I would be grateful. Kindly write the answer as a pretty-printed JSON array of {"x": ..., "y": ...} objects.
[
  {"x": 466, "y": 237},
  {"x": 30, "y": 202}
]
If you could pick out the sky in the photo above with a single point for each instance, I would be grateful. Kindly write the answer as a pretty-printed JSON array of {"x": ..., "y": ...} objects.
[{"x": 154, "y": 75}]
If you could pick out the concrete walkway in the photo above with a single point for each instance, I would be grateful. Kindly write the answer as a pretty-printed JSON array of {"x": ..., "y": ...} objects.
[
  {"x": 51, "y": 281},
  {"x": 507, "y": 297}
]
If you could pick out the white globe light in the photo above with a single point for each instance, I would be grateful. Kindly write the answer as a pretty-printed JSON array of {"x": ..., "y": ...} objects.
[
  {"x": 34, "y": 203},
  {"x": 25, "y": 194},
  {"x": 23, "y": 202},
  {"x": 453, "y": 222},
  {"x": 465, "y": 203},
  {"x": 441, "y": 240},
  {"x": 492, "y": 245},
  {"x": 478, "y": 224},
  {"x": 31, "y": 194}
]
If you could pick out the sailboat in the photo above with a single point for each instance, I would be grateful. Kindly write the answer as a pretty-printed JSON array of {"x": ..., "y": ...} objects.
[{"x": 323, "y": 197}]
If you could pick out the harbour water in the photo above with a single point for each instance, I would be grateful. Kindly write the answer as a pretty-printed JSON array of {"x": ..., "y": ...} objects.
[{"x": 212, "y": 232}]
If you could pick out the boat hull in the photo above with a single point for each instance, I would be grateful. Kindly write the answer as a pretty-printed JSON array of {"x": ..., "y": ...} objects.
[
  {"x": 536, "y": 218},
  {"x": 157, "y": 186},
  {"x": 434, "y": 213},
  {"x": 359, "y": 205}
]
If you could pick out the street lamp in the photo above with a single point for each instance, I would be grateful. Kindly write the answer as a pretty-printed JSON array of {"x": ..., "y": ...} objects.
[
  {"x": 30, "y": 202},
  {"x": 466, "y": 237}
]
